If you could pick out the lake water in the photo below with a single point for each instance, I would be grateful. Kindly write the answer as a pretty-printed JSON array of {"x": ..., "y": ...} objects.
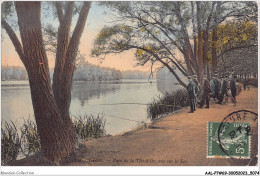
[{"x": 122, "y": 103}]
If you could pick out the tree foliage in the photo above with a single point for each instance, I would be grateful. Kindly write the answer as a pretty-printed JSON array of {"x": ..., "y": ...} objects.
[
  {"x": 235, "y": 35},
  {"x": 174, "y": 34},
  {"x": 239, "y": 62}
]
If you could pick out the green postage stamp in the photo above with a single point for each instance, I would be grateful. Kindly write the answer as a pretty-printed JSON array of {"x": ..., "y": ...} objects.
[{"x": 228, "y": 140}]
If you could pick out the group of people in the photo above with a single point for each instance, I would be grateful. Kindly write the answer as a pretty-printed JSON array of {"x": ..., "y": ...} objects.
[{"x": 215, "y": 88}]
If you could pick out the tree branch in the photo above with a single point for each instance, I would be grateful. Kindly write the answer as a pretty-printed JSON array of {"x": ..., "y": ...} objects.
[
  {"x": 15, "y": 40},
  {"x": 63, "y": 39},
  {"x": 77, "y": 33},
  {"x": 59, "y": 11},
  {"x": 164, "y": 63},
  {"x": 175, "y": 63}
]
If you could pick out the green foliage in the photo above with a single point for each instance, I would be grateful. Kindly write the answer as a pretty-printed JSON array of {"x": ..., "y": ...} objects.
[
  {"x": 89, "y": 127},
  {"x": 7, "y": 9},
  {"x": 242, "y": 61},
  {"x": 30, "y": 138},
  {"x": 169, "y": 27},
  {"x": 50, "y": 36},
  {"x": 236, "y": 34},
  {"x": 10, "y": 142},
  {"x": 168, "y": 103},
  {"x": 111, "y": 39},
  {"x": 26, "y": 142}
]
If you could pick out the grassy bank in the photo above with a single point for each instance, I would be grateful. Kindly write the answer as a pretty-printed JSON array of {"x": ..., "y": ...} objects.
[
  {"x": 25, "y": 141},
  {"x": 167, "y": 103}
]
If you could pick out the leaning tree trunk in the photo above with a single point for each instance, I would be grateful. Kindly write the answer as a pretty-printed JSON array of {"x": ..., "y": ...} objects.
[{"x": 54, "y": 137}]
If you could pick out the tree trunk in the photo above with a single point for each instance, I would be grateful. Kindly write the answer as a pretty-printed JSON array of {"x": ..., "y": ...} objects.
[
  {"x": 200, "y": 45},
  {"x": 65, "y": 84},
  {"x": 54, "y": 136},
  {"x": 62, "y": 47},
  {"x": 214, "y": 50}
]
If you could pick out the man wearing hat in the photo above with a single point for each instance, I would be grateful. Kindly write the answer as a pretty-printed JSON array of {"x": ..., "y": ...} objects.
[
  {"x": 191, "y": 92},
  {"x": 217, "y": 86},
  {"x": 197, "y": 88},
  {"x": 223, "y": 89},
  {"x": 206, "y": 91}
]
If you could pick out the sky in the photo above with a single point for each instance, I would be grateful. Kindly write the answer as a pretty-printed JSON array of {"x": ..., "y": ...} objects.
[{"x": 98, "y": 17}]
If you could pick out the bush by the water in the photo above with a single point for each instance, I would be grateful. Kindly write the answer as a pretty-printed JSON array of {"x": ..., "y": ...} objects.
[
  {"x": 167, "y": 103},
  {"x": 26, "y": 142},
  {"x": 89, "y": 127}
]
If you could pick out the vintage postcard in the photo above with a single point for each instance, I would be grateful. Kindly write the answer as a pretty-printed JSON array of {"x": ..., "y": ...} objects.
[{"x": 129, "y": 83}]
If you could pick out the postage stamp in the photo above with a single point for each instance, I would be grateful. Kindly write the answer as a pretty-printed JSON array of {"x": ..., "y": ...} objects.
[
  {"x": 228, "y": 140},
  {"x": 234, "y": 137}
]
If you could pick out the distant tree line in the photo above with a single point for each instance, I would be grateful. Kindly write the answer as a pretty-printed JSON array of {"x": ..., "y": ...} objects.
[
  {"x": 89, "y": 72},
  {"x": 135, "y": 75},
  {"x": 13, "y": 73},
  {"x": 83, "y": 72}
]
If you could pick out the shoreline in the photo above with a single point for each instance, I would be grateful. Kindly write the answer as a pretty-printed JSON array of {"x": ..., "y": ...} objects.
[{"x": 177, "y": 139}]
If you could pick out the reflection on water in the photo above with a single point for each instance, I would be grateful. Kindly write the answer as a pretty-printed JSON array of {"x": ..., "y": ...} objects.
[
  {"x": 85, "y": 90},
  {"x": 167, "y": 86},
  {"x": 121, "y": 102}
]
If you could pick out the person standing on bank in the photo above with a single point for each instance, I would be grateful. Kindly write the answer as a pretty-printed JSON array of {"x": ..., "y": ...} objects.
[
  {"x": 245, "y": 84},
  {"x": 206, "y": 92},
  {"x": 223, "y": 89},
  {"x": 191, "y": 92}
]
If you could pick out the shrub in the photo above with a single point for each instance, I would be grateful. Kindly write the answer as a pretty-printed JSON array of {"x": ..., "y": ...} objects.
[
  {"x": 89, "y": 127},
  {"x": 253, "y": 81},
  {"x": 167, "y": 103}
]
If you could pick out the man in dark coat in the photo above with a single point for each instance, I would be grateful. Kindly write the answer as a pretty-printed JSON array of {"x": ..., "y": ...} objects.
[
  {"x": 191, "y": 92},
  {"x": 244, "y": 84},
  {"x": 223, "y": 89},
  {"x": 217, "y": 86},
  {"x": 206, "y": 92}
]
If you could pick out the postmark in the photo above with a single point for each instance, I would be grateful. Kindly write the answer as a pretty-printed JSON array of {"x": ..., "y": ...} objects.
[{"x": 234, "y": 137}]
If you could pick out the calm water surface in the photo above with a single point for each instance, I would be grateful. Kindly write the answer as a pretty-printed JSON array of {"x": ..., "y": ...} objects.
[{"x": 107, "y": 98}]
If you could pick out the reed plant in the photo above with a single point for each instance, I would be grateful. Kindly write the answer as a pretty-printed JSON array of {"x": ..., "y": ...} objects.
[
  {"x": 89, "y": 127},
  {"x": 167, "y": 103},
  {"x": 26, "y": 141},
  {"x": 10, "y": 142},
  {"x": 30, "y": 139}
]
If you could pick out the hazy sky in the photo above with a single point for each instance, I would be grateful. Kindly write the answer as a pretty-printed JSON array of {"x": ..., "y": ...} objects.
[{"x": 97, "y": 18}]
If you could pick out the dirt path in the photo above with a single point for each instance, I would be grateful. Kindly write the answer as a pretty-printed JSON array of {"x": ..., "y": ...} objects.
[{"x": 179, "y": 139}]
